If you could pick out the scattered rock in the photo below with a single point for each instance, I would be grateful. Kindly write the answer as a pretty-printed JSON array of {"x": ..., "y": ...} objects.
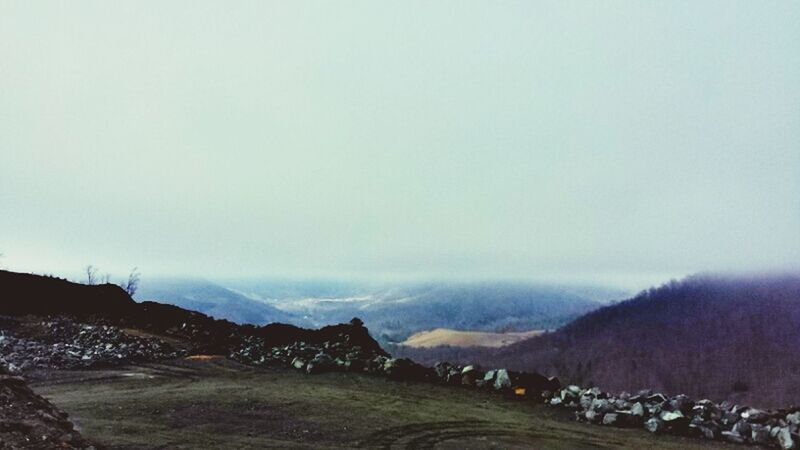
[{"x": 62, "y": 343}]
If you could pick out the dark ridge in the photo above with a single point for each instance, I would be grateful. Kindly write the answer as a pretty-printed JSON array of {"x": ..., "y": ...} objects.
[
  {"x": 22, "y": 294},
  {"x": 28, "y": 294}
]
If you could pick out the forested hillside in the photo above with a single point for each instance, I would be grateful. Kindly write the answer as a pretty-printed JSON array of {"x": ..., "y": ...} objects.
[{"x": 707, "y": 336}]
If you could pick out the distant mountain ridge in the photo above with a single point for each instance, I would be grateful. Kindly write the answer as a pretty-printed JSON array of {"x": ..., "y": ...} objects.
[
  {"x": 209, "y": 298},
  {"x": 396, "y": 311}
]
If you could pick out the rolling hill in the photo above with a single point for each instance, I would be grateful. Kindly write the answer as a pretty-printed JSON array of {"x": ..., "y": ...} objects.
[
  {"x": 214, "y": 300},
  {"x": 396, "y": 311}
]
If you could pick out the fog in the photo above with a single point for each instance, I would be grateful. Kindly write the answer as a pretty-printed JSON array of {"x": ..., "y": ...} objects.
[{"x": 618, "y": 141}]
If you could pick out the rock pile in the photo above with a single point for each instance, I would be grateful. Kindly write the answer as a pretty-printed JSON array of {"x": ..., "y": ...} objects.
[
  {"x": 654, "y": 412},
  {"x": 28, "y": 420},
  {"x": 64, "y": 344},
  {"x": 703, "y": 419},
  {"x": 335, "y": 354}
]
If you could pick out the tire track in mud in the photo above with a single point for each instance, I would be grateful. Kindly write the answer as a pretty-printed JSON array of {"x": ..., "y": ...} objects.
[
  {"x": 181, "y": 370},
  {"x": 428, "y": 435}
]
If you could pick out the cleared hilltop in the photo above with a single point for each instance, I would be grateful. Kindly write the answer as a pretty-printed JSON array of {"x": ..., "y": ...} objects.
[{"x": 149, "y": 375}]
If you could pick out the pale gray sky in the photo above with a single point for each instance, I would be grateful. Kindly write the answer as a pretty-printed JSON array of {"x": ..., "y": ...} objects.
[{"x": 436, "y": 138}]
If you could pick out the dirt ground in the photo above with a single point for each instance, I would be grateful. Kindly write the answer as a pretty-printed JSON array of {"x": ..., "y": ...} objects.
[{"x": 216, "y": 403}]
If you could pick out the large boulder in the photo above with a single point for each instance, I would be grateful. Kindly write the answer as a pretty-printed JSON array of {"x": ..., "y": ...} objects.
[
  {"x": 785, "y": 439},
  {"x": 732, "y": 436},
  {"x": 759, "y": 434},
  {"x": 754, "y": 415},
  {"x": 322, "y": 362},
  {"x": 502, "y": 380},
  {"x": 654, "y": 425},
  {"x": 681, "y": 403},
  {"x": 470, "y": 375},
  {"x": 299, "y": 363}
]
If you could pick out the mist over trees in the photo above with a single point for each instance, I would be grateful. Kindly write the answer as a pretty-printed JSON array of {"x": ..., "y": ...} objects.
[{"x": 706, "y": 336}]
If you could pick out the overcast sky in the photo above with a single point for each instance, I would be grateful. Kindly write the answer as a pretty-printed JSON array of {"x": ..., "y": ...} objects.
[{"x": 435, "y": 138}]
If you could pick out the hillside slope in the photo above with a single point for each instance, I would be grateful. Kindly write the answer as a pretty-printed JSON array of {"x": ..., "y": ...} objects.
[
  {"x": 707, "y": 336},
  {"x": 214, "y": 300}
]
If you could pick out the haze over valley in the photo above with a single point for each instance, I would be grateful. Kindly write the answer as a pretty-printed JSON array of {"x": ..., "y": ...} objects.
[{"x": 550, "y": 224}]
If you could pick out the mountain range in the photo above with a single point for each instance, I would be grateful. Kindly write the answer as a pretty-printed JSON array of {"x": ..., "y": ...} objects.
[{"x": 393, "y": 312}]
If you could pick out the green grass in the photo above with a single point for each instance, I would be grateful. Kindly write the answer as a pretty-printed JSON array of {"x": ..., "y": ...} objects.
[{"x": 221, "y": 405}]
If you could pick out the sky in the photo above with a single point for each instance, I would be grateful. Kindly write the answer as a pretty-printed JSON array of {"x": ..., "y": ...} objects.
[{"x": 606, "y": 140}]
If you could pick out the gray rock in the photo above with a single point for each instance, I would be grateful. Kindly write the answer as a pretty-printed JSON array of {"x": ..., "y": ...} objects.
[
  {"x": 502, "y": 380},
  {"x": 572, "y": 390},
  {"x": 754, "y": 415},
  {"x": 298, "y": 363},
  {"x": 601, "y": 405},
  {"x": 654, "y": 425},
  {"x": 742, "y": 428},
  {"x": 729, "y": 418},
  {"x": 637, "y": 409},
  {"x": 656, "y": 398},
  {"x": 441, "y": 369},
  {"x": 759, "y": 434},
  {"x": 785, "y": 440},
  {"x": 670, "y": 416},
  {"x": 732, "y": 436},
  {"x": 793, "y": 418},
  {"x": 681, "y": 403},
  {"x": 594, "y": 391},
  {"x": 610, "y": 419}
]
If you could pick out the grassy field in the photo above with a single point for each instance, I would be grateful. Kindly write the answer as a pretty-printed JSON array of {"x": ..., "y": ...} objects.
[
  {"x": 214, "y": 404},
  {"x": 458, "y": 338}
]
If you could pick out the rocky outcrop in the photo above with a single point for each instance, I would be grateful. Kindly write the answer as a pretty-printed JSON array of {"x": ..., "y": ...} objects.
[{"x": 28, "y": 421}]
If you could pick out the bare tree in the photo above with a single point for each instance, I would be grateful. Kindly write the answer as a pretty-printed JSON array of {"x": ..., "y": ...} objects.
[
  {"x": 91, "y": 274},
  {"x": 107, "y": 278},
  {"x": 133, "y": 281}
]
